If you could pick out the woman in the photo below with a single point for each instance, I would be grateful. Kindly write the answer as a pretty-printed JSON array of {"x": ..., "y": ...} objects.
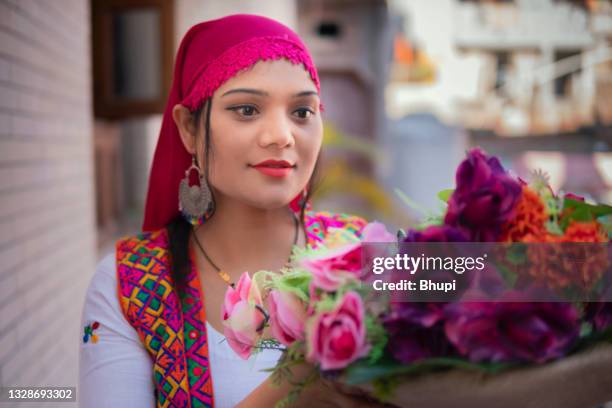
[{"x": 244, "y": 116}]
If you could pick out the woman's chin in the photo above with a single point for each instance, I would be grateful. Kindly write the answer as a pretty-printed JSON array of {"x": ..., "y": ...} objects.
[{"x": 272, "y": 203}]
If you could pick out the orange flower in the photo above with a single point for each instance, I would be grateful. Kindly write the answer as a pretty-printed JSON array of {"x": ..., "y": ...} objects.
[
  {"x": 529, "y": 219},
  {"x": 585, "y": 232},
  {"x": 559, "y": 265}
]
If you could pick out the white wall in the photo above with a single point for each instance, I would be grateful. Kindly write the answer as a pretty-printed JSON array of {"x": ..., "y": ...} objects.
[{"x": 47, "y": 225}]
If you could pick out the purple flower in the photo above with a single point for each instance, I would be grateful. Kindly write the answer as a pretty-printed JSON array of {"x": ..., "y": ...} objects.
[
  {"x": 416, "y": 331},
  {"x": 600, "y": 314},
  {"x": 512, "y": 331},
  {"x": 418, "y": 242},
  {"x": 484, "y": 198},
  {"x": 437, "y": 233}
]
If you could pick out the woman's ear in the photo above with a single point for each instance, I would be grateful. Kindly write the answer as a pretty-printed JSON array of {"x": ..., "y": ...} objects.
[{"x": 187, "y": 129}]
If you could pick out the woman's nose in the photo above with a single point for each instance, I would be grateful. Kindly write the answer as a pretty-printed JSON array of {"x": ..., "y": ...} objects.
[{"x": 277, "y": 130}]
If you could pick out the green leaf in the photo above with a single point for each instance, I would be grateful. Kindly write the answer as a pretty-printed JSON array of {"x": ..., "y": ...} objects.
[
  {"x": 606, "y": 222},
  {"x": 586, "y": 328},
  {"x": 429, "y": 221},
  {"x": 592, "y": 338},
  {"x": 326, "y": 303},
  {"x": 582, "y": 211},
  {"x": 411, "y": 203},
  {"x": 444, "y": 195},
  {"x": 362, "y": 372},
  {"x": 552, "y": 204},
  {"x": 553, "y": 228},
  {"x": 296, "y": 282},
  {"x": 510, "y": 277},
  {"x": 517, "y": 254},
  {"x": 377, "y": 337}
]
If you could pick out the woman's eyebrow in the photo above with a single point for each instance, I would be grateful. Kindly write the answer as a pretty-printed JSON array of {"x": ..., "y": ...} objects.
[
  {"x": 264, "y": 93},
  {"x": 246, "y": 90},
  {"x": 305, "y": 93}
]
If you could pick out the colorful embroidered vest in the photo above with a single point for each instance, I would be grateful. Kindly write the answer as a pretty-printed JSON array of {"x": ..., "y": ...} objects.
[{"x": 173, "y": 330}]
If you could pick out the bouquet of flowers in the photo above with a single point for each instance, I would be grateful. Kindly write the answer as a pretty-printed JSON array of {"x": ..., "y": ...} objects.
[{"x": 323, "y": 308}]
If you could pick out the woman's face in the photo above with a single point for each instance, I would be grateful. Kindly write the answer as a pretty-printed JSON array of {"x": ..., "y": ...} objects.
[{"x": 268, "y": 112}]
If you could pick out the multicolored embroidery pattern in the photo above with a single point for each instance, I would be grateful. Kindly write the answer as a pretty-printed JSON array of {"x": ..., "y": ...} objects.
[
  {"x": 174, "y": 336},
  {"x": 152, "y": 306},
  {"x": 317, "y": 223},
  {"x": 88, "y": 332},
  {"x": 198, "y": 372}
]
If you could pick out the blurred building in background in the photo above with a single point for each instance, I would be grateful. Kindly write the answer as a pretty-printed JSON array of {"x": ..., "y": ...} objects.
[
  {"x": 545, "y": 66},
  {"x": 526, "y": 80}
]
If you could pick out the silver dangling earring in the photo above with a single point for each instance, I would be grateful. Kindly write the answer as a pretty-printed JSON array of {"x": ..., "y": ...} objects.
[{"x": 195, "y": 202}]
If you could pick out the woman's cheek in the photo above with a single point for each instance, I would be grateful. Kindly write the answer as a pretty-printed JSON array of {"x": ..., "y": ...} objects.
[
  {"x": 308, "y": 146},
  {"x": 226, "y": 173}
]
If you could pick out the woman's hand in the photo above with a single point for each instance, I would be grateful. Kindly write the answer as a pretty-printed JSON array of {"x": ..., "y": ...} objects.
[
  {"x": 327, "y": 393},
  {"x": 578, "y": 381},
  {"x": 321, "y": 393}
]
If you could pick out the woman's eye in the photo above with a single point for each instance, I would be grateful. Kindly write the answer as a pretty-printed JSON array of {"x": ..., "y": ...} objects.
[
  {"x": 244, "y": 110},
  {"x": 304, "y": 113}
]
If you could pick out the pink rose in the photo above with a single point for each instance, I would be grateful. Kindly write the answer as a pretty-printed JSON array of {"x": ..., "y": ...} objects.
[
  {"x": 375, "y": 239},
  {"x": 338, "y": 337},
  {"x": 242, "y": 320},
  {"x": 287, "y": 316},
  {"x": 344, "y": 258},
  {"x": 377, "y": 232},
  {"x": 333, "y": 268}
]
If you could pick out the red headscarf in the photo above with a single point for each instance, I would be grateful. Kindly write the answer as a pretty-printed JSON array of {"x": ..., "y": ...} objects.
[{"x": 209, "y": 54}]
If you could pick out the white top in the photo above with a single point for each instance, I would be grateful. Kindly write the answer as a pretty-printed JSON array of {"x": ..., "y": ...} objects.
[{"x": 117, "y": 371}]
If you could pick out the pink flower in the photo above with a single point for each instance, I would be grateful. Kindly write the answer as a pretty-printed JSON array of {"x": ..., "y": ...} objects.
[
  {"x": 377, "y": 232},
  {"x": 335, "y": 267},
  {"x": 338, "y": 337},
  {"x": 287, "y": 316},
  {"x": 375, "y": 243},
  {"x": 241, "y": 318},
  {"x": 574, "y": 197},
  {"x": 344, "y": 261}
]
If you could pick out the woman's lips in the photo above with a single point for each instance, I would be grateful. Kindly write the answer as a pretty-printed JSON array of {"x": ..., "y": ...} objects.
[{"x": 274, "y": 171}]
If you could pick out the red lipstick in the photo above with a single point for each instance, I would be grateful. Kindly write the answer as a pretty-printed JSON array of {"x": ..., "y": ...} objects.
[{"x": 274, "y": 168}]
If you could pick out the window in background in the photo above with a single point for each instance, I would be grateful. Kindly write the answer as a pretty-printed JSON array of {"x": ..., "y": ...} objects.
[
  {"x": 132, "y": 56},
  {"x": 502, "y": 70},
  {"x": 563, "y": 83}
]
